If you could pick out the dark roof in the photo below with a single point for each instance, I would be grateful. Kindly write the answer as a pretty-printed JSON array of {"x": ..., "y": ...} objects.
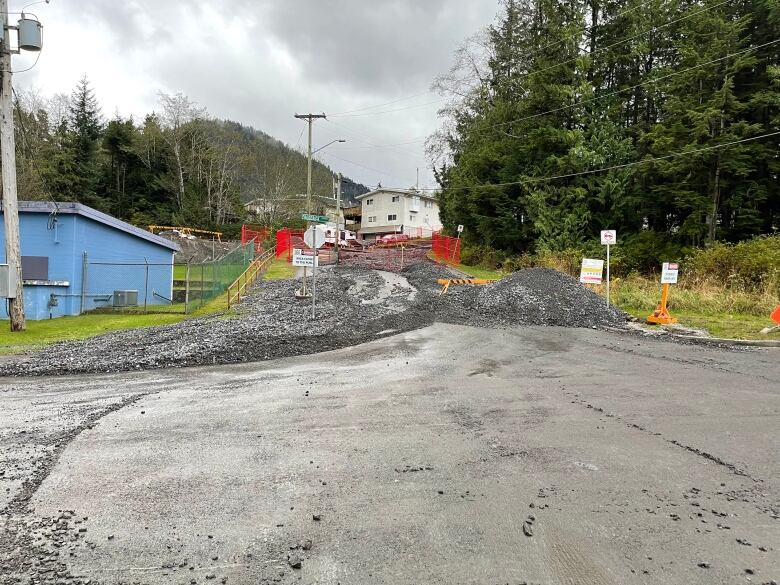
[{"x": 95, "y": 215}]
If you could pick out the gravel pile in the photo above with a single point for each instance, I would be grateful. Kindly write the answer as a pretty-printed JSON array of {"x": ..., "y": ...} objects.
[
  {"x": 540, "y": 296},
  {"x": 354, "y": 306}
]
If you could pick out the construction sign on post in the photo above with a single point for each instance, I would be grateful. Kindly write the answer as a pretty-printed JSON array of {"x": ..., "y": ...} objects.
[
  {"x": 608, "y": 238},
  {"x": 669, "y": 272},
  {"x": 305, "y": 258},
  {"x": 591, "y": 271},
  {"x": 661, "y": 316}
]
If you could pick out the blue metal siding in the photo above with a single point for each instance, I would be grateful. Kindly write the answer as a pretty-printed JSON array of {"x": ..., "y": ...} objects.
[
  {"x": 65, "y": 246},
  {"x": 116, "y": 262}
]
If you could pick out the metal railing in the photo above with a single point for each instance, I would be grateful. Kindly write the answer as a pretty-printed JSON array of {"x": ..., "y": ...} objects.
[{"x": 246, "y": 278}]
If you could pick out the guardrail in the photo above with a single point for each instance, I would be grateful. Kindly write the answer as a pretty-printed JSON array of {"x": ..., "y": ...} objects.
[{"x": 239, "y": 286}]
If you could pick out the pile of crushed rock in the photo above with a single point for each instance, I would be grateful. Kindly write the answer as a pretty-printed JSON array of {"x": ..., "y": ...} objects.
[
  {"x": 540, "y": 296},
  {"x": 354, "y": 306}
]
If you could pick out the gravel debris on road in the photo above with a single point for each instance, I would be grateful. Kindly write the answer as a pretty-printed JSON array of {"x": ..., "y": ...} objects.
[{"x": 354, "y": 305}]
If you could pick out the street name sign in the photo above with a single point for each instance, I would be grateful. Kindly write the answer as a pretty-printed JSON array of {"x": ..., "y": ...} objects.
[{"x": 314, "y": 218}]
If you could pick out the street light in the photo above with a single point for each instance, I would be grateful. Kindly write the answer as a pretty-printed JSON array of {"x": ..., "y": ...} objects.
[{"x": 328, "y": 144}]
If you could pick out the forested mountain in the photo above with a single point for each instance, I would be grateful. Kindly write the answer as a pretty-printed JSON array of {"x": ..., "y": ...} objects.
[
  {"x": 175, "y": 167},
  {"x": 558, "y": 91}
]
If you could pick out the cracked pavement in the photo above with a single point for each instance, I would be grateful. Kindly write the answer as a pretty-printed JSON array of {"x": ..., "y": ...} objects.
[{"x": 449, "y": 454}]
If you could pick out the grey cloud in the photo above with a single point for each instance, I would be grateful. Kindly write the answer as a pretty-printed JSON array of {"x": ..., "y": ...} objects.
[{"x": 375, "y": 46}]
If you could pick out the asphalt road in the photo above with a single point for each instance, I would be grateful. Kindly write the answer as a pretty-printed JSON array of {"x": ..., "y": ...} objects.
[{"x": 445, "y": 455}]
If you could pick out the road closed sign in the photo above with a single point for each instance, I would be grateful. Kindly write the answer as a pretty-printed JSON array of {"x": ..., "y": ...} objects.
[
  {"x": 669, "y": 272},
  {"x": 305, "y": 258},
  {"x": 608, "y": 237},
  {"x": 591, "y": 271}
]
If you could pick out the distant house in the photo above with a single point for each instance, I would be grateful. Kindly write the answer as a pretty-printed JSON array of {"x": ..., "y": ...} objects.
[
  {"x": 75, "y": 259},
  {"x": 387, "y": 211}
]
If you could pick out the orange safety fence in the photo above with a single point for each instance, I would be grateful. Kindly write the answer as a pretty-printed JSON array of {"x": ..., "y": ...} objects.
[
  {"x": 446, "y": 248},
  {"x": 255, "y": 233},
  {"x": 286, "y": 240}
]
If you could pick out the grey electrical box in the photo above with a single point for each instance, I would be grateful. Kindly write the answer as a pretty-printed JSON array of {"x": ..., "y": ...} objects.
[
  {"x": 7, "y": 282},
  {"x": 30, "y": 34},
  {"x": 125, "y": 298}
]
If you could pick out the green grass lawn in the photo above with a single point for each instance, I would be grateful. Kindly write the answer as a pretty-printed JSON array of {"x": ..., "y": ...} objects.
[
  {"x": 479, "y": 272},
  {"x": 280, "y": 269},
  {"x": 725, "y": 325},
  {"x": 474, "y": 271},
  {"x": 40, "y": 333}
]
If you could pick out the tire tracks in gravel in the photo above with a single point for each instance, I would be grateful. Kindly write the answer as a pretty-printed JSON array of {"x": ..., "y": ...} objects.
[
  {"x": 18, "y": 542},
  {"x": 60, "y": 442}
]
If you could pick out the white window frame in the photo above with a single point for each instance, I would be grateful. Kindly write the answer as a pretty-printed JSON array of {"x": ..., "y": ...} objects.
[
  {"x": 396, "y": 198},
  {"x": 370, "y": 201},
  {"x": 392, "y": 217}
]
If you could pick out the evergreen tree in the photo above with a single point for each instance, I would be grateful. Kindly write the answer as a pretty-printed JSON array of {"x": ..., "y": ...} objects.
[{"x": 85, "y": 130}]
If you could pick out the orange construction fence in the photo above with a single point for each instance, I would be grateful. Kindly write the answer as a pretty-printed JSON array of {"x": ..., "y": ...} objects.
[
  {"x": 446, "y": 248},
  {"x": 286, "y": 240},
  {"x": 255, "y": 233}
]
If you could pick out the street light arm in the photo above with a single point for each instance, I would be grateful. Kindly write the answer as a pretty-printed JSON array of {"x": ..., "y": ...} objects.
[{"x": 328, "y": 144}]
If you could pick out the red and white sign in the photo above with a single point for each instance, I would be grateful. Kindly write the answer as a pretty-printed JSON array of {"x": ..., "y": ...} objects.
[{"x": 608, "y": 237}]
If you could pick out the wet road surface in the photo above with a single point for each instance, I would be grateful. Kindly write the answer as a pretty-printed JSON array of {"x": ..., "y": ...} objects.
[{"x": 445, "y": 455}]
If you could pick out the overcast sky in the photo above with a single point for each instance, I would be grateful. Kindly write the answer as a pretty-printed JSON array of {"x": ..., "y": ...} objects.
[{"x": 260, "y": 61}]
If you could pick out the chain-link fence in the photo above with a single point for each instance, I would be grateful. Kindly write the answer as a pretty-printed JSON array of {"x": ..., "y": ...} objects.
[{"x": 153, "y": 287}]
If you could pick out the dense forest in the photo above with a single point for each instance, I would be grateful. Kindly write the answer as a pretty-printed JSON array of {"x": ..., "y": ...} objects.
[
  {"x": 660, "y": 119},
  {"x": 176, "y": 167}
]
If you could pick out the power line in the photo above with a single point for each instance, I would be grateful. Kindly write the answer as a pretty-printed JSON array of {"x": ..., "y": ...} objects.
[
  {"x": 356, "y": 134},
  {"x": 610, "y": 168},
  {"x": 618, "y": 43},
  {"x": 330, "y": 154},
  {"x": 403, "y": 99},
  {"x": 390, "y": 111},
  {"x": 584, "y": 30},
  {"x": 616, "y": 92}
]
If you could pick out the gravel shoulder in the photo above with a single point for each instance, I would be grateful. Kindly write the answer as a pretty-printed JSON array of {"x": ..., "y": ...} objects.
[{"x": 355, "y": 305}]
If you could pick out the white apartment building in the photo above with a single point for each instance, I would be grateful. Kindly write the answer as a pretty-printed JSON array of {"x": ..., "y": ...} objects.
[{"x": 389, "y": 211}]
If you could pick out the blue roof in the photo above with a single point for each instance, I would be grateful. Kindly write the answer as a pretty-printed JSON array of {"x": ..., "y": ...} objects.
[{"x": 95, "y": 215}]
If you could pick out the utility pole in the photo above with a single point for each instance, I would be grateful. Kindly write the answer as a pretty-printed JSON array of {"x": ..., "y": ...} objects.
[
  {"x": 13, "y": 252},
  {"x": 338, "y": 216},
  {"x": 310, "y": 119}
]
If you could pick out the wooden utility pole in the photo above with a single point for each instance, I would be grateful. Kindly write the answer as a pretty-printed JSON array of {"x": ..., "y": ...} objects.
[
  {"x": 338, "y": 216},
  {"x": 310, "y": 119},
  {"x": 13, "y": 252}
]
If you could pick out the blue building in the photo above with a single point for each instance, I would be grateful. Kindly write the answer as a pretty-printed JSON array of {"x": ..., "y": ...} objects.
[{"x": 76, "y": 259}]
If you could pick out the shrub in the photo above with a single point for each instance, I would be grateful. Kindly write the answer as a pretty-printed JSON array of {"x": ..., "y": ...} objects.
[
  {"x": 750, "y": 265},
  {"x": 480, "y": 255}
]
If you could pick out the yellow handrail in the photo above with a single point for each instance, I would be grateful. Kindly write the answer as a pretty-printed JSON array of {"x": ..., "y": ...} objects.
[{"x": 249, "y": 276}]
